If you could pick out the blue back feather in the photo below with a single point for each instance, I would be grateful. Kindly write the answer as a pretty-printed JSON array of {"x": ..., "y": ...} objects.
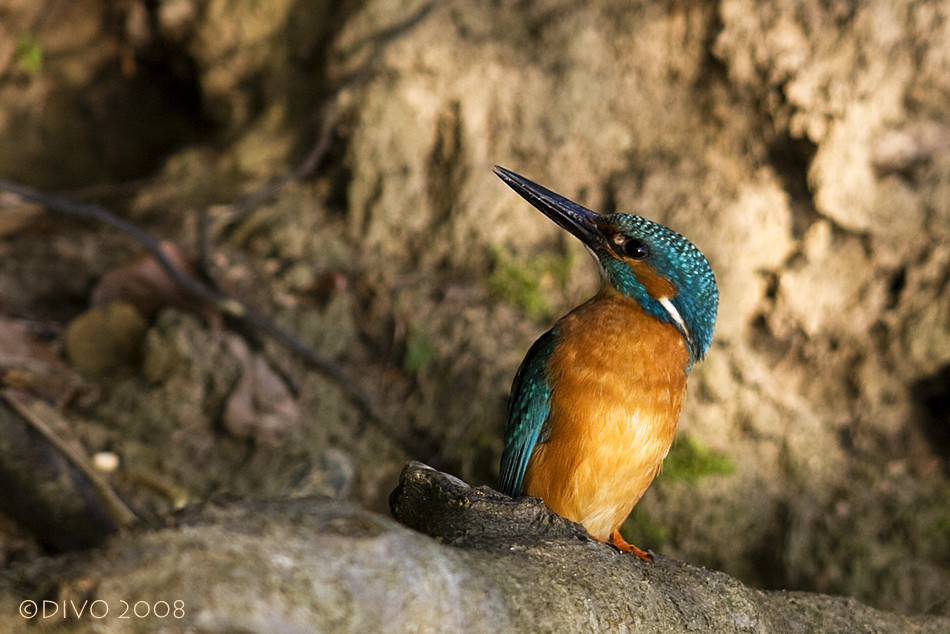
[{"x": 527, "y": 413}]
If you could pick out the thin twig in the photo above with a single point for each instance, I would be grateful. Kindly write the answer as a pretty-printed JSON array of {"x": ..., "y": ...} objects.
[
  {"x": 226, "y": 216},
  {"x": 306, "y": 168},
  {"x": 121, "y": 514},
  {"x": 99, "y": 214},
  {"x": 207, "y": 295},
  {"x": 330, "y": 118}
]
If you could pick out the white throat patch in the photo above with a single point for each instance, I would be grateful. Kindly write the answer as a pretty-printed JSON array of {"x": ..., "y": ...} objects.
[{"x": 675, "y": 314}]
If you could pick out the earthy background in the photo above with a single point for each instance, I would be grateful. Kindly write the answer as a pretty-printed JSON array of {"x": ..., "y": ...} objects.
[{"x": 804, "y": 148}]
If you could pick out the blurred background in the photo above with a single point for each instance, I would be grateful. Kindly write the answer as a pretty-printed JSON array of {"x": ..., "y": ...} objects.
[{"x": 329, "y": 165}]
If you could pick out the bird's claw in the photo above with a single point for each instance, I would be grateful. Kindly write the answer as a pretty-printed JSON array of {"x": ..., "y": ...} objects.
[{"x": 617, "y": 541}]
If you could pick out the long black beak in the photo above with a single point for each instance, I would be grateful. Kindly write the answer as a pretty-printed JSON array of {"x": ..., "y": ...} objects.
[{"x": 580, "y": 221}]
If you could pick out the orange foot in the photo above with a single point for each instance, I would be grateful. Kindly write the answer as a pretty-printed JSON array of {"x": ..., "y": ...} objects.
[{"x": 618, "y": 542}]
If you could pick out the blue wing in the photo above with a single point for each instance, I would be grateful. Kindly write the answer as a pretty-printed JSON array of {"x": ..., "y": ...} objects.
[{"x": 527, "y": 414}]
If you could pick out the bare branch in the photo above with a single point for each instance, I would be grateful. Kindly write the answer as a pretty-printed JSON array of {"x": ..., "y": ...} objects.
[{"x": 205, "y": 294}]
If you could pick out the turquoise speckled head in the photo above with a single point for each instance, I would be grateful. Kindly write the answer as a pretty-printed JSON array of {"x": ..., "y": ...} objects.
[{"x": 669, "y": 277}]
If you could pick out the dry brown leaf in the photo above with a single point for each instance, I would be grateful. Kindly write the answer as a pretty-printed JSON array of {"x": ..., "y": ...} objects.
[
  {"x": 145, "y": 284},
  {"x": 261, "y": 406}
]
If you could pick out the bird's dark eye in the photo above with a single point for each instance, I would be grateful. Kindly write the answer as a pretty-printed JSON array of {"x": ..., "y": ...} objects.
[{"x": 635, "y": 248}]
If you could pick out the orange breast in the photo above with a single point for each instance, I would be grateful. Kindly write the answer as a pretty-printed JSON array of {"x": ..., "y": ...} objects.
[{"x": 618, "y": 380}]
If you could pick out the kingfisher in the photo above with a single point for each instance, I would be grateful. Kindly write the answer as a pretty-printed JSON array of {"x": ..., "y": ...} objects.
[{"x": 594, "y": 405}]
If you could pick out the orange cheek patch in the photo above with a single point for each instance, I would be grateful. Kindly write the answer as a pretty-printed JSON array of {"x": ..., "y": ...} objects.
[{"x": 657, "y": 285}]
